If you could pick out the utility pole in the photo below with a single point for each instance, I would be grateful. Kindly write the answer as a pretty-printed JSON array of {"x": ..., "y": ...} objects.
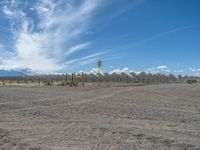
[
  {"x": 66, "y": 78},
  {"x": 83, "y": 79},
  {"x": 72, "y": 77},
  {"x": 99, "y": 64}
]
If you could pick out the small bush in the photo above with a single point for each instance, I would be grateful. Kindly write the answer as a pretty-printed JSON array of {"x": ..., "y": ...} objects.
[
  {"x": 74, "y": 83},
  {"x": 63, "y": 84},
  {"x": 48, "y": 84},
  {"x": 191, "y": 81}
]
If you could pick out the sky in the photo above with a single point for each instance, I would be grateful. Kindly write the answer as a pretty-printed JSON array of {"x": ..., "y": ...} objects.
[{"x": 59, "y": 36}]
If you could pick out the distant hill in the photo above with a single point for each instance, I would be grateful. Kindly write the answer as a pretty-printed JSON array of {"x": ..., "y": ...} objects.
[{"x": 11, "y": 73}]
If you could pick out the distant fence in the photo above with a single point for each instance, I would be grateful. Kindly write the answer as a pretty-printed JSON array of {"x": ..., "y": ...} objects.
[
  {"x": 80, "y": 79},
  {"x": 64, "y": 79}
]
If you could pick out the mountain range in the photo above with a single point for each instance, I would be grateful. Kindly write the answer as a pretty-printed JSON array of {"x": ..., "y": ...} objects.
[{"x": 11, "y": 73}]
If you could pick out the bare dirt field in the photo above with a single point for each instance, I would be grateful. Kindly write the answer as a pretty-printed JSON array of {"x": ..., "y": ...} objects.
[{"x": 160, "y": 117}]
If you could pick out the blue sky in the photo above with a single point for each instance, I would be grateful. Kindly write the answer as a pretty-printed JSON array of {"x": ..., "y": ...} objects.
[{"x": 57, "y": 36}]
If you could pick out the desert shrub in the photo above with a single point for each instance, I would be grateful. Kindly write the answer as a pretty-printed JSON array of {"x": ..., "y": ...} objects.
[
  {"x": 47, "y": 83},
  {"x": 75, "y": 83},
  {"x": 191, "y": 81},
  {"x": 63, "y": 84}
]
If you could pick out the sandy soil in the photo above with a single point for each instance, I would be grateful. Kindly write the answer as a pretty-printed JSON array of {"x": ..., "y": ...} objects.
[{"x": 160, "y": 117}]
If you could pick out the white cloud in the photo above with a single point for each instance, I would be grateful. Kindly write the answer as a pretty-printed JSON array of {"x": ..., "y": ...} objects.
[
  {"x": 43, "y": 45},
  {"x": 125, "y": 70},
  {"x": 159, "y": 69},
  {"x": 165, "y": 34},
  {"x": 77, "y": 48},
  {"x": 75, "y": 63},
  {"x": 7, "y": 12},
  {"x": 1, "y": 46},
  {"x": 8, "y": 67},
  {"x": 179, "y": 71},
  {"x": 89, "y": 61},
  {"x": 111, "y": 66},
  {"x": 131, "y": 5},
  {"x": 94, "y": 70},
  {"x": 79, "y": 60},
  {"x": 193, "y": 69},
  {"x": 162, "y": 67}
]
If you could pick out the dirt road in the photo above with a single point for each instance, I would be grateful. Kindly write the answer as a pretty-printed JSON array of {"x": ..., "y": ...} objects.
[{"x": 162, "y": 117}]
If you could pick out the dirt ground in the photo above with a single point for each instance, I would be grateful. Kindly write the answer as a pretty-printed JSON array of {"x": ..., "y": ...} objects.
[{"x": 160, "y": 117}]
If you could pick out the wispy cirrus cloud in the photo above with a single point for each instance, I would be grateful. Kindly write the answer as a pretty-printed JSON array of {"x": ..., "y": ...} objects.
[
  {"x": 1, "y": 46},
  {"x": 163, "y": 34},
  {"x": 167, "y": 33},
  {"x": 129, "y": 6},
  {"x": 8, "y": 12},
  {"x": 89, "y": 61},
  {"x": 73, "y": 63},
  {"x": 46, "y": 33},
  {"x": 77, "y": 48}
]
